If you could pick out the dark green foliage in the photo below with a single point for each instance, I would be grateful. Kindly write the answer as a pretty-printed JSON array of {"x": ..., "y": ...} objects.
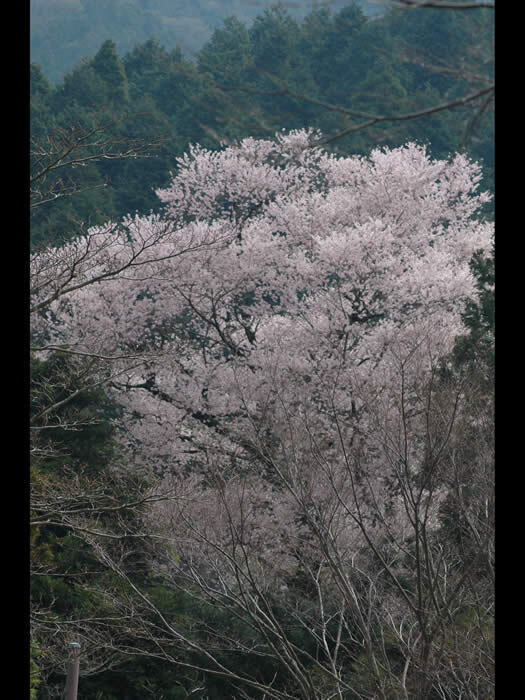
[
  {"x": 39, "y": 84},
  {"x": 136, "y": 680},
  {"x": 79, "y": 430},
  {"x": 75, "y": 486},
  {"x": 82, "y": 88},
  {"x": 108, "y": 66},
  {"x": 274, "y": 37},
  {"x": 74, "y": 438},
  {"x": 34, "y": 671},
  {"x": 228, "y": 54},
  {"x": 41, "y": 111}
]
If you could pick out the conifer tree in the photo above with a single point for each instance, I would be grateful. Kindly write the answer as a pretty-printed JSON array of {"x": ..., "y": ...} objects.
[{"x": 109, "y": 66}]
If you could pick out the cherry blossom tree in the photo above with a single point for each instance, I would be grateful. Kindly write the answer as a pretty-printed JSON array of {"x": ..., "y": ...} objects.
[
  {"x": 270, "y": 248},
  {"x": 274, "y": 339}
]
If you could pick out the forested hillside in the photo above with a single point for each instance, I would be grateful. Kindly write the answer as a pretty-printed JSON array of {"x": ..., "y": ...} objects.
[
  {"x": 65, "y": 31},
  {"x": 235, "y": 89},
  {"x": 262, "y": 352}
]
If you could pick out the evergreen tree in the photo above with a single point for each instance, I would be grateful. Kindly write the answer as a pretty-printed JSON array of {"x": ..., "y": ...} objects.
[
  {"x": 108, "y": 66},
  {"x": 41, "y": 113},
  {"x": 227, "y": 56}
]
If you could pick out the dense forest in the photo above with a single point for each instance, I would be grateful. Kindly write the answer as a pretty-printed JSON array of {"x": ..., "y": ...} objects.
[
  {"x": 262, "y": 350},
  {"x": 65, "y": 31}
]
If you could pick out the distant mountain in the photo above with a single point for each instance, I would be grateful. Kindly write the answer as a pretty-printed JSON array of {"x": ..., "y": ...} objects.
[{"x": 62, "y": 32}]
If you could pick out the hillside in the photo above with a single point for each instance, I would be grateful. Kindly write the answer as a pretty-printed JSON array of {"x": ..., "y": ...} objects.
[{"x": 62, "y": 32}]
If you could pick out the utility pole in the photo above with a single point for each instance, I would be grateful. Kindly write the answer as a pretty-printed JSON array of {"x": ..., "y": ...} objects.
[{"x": 70, "y": 692}]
